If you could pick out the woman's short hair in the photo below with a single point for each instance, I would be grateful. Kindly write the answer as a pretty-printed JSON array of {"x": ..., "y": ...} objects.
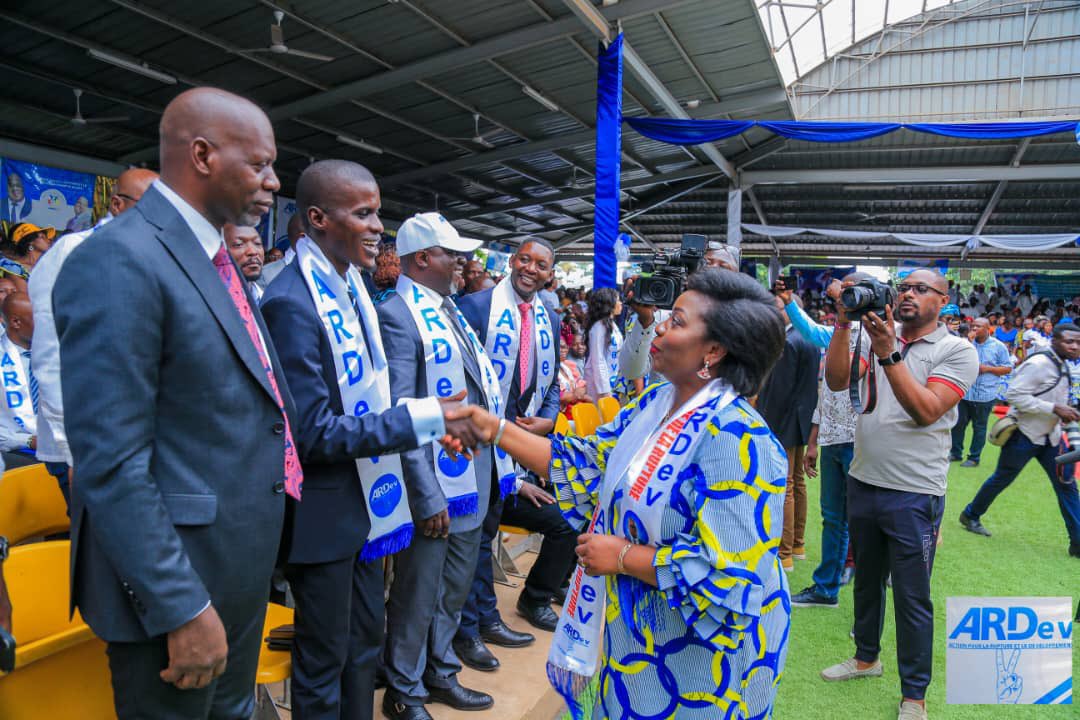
[{"x": 741, "y": 316}]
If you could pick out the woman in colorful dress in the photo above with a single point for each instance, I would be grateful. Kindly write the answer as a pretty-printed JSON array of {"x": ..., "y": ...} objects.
[{"x": 681, "y": 502}]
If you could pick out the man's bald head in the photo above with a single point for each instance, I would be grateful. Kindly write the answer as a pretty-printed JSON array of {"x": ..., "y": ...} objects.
[
  {"x": 929, "y": 277},
  {"x": 130, "y": 186},
  {"x": 324, "y": 184},
  {"x": 217, "y": 152},
  {"x": 19, "y": 318}
]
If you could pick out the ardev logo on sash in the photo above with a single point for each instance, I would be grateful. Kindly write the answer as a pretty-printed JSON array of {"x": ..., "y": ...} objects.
[{"x": 1009, "y": 650}]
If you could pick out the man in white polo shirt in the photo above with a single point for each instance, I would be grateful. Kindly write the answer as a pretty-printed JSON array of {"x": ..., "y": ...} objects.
[{"x": 896, "y": 488}]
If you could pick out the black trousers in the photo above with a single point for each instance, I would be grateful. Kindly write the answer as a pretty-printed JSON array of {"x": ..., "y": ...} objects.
[
  {"x": 552, "y": 565},
  {"x": 895, "y": 532},
  {"x": 339, "y": 631},
  {"x": 140, "y": 694}
]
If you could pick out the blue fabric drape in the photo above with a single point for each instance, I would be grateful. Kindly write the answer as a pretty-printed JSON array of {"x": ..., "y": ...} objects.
[
  {"x": 676, "y": 132},
  {"x": 693, "y": 132},
  {"x": 827, "y": 131},
  {"x": 608, "y": 162}
]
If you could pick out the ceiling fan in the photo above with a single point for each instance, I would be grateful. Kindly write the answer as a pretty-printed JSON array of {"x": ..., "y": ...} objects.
[
  {"x": 278, "y": 46},
  {"x": 479, "y": 138},
  {"x": 80, "y": 121}
]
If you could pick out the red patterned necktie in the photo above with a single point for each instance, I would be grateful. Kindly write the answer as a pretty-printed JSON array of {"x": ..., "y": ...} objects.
[
  {"x": 294, "y": 476},
  {"x": 525, "y": 345}
]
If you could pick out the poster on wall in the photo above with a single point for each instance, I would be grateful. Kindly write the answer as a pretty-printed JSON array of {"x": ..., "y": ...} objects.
[
  {"x": 815, "y": 278},
  {"x": 907, "y": 266},
  {"x": 1008, "y": 650},
  {"x": 46, "y": 196}
]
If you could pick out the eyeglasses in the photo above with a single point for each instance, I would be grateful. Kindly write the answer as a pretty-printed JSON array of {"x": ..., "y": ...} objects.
[
  {"x": 918, "y": 289},
  {"x": 126, "y": 197}
]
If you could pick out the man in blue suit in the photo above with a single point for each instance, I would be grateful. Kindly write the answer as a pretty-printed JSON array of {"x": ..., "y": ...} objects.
[
  {"x": 15, "y": 207},
  {"x": 531, "y": 267},
  {"x": 179, "y": 422},
  {"x": 339, "y": 600}
]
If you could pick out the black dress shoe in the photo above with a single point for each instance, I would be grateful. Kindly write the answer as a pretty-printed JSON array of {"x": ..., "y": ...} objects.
[
  {"x": 461, "y": 698},
  {"x": 541, "y": 617},
  {"x": 397, "y": 711},
  {"x": 474, "y": 653},
  {"x": 499, "y": 634},
  {"x": 1074, "y": 550},
  {"x": 972, "y": 525}
]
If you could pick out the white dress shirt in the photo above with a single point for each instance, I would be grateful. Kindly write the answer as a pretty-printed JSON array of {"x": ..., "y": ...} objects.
[
  {"x": 635, "y": 361},
  {"x": 52, "y": 444},
  {"x": 1040, "y": 383}
]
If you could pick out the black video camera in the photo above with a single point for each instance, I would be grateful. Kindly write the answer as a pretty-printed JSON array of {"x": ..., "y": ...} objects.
[
  {"x": 867, "y": 296},
  {"x": 663, "y": 279},
  {"x": 1072, "y": 432}
]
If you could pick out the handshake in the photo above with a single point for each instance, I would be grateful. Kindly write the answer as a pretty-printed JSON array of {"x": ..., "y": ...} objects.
[{"x": 468, "y": 427}]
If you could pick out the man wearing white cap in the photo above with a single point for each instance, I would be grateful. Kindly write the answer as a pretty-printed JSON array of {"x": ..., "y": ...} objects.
[{"x": 431, "y": 350}]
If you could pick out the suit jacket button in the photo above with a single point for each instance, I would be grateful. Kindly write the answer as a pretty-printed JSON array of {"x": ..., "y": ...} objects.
[
  {"x": 278, "y": 427},
  {"x": 279, "y": 487}
]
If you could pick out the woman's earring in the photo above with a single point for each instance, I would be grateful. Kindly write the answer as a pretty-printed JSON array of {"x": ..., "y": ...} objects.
[{"x": 704, "y": 373}]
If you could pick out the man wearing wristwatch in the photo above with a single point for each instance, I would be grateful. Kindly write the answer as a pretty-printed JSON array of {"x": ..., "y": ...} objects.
[{"x": 896, "y": 486}]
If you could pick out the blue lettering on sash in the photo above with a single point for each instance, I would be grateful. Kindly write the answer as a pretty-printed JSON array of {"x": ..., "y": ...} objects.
[
  {"x": 664, "y": 473},
  {"x": 502, "y": 343},
  {"x": 353, "y": 367},
  {"x": 681, "y": 444},
  {"x": 385, "y": 495},
  {"x": 7, "y": 361},
  {"x": 545, "y": 368},
  {"x": 337, "y": 323},
  {"x": 14, "y": 399},
  {"x": 416, "y": 294},
  {"x": 321, "y": 287},
  {"x": 582, "y": 615},
  {"x": 452, "y": 467},
  {"x": 443, "y": 387},
  {"x": 601, "y": 523},
  {"x": 506, "y": 320},
  {"x": 652, "y": 495},
  {"x": 11, "y": 379},
  {"x": 361, "y": 408},
  {"x": 545, "y": 339},
  {"x": 441, "y": 349},
  {"x": 588, "y": 593},
  {"x": 432, "y": 319},
  {"x": 695, "y": 421},
  {"x": 500, "y": 367}
]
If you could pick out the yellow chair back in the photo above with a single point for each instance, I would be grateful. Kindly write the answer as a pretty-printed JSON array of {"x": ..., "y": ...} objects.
[
  {"x": 562, "y": 425},
  {"x": 609, "y": 408},
  {"x": 586, "y": 419},
  {"x": 31, "y": 504}
]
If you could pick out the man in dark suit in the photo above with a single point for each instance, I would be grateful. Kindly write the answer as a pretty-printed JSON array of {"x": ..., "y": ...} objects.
[
  {"x": 16, "y": 207},
  {"x": 339, "y": 600},
  {"x": 179, "y": 422},
  {"x": 432, "y": 576},
  {"x": 787, "y": 403},
  {"x": 531, "y": 267}
]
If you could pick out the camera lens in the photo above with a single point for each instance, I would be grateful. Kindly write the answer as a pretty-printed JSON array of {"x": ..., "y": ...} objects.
[{"x": 856, "y": 297}]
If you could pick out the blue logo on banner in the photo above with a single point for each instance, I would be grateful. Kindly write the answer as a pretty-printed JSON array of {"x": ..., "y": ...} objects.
[
  {"x": 385, "y": 495},
  {"x": 451, "y": 467}
]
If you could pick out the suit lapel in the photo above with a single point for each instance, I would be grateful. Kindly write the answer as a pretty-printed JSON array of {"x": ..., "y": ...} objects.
[{"x": 184, "y": 247}]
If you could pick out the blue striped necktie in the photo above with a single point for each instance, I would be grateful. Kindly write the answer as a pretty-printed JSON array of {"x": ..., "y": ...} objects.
[{"x": 31, "y": 380}]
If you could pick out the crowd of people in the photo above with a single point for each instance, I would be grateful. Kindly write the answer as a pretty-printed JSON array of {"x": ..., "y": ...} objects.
[{"x": 222, "y": 421}]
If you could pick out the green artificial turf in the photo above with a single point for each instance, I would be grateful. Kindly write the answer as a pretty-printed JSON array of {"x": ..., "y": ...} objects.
[{"x": 1027, "y": 555}]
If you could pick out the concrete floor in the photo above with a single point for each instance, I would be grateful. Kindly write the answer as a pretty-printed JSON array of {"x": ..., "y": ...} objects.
[{"x": 519, "y": 686}]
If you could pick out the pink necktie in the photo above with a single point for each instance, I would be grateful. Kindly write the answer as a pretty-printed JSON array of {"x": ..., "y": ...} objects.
[
  {"x": 294, "y": 476},
  {"x": 525, "y": 345}
]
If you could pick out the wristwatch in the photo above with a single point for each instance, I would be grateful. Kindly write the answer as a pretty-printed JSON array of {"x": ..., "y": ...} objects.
[
  {"x": 3, "y": 548},
  {"x": 890, "y": 360}
]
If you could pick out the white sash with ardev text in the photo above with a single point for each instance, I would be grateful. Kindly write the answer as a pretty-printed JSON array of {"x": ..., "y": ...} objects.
[
  {"x": 646, "y": 463},
  {"x": 504, "y": 341},
  {"x": 17, "y": 397},
  {"x": 364, "y": 384},
  {"x": 445, "y": 370}
]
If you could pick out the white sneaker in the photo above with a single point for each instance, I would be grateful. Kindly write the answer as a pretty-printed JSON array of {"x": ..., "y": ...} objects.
[
  {"x": 849, "y": 670},
  {"x": 911, "y": 711}
]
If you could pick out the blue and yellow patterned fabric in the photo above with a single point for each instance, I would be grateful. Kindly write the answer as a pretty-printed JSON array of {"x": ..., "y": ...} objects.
[{"x": 711, "y": 640}]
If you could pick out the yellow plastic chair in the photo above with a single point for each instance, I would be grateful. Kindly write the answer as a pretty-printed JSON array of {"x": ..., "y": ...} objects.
[
  {"x": 586, "y": 419},
  {"x": 31, "y": 505},
  {"x": 609, "y": 408},
  {"x": 274, "y": 665},
  {"x": 61, "y": 670},
  {"x": 562, "y": 425}
]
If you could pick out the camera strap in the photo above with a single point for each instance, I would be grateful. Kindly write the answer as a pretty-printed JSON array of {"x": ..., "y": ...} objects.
[{"x": 871, "y": 377}]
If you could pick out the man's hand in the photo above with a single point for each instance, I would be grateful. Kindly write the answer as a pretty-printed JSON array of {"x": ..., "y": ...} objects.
[
  {"x": 536, "y": 425},
  {"x": 535, "y": 495},
  {"x": 1066, "y": 413},
  {"x": 198, "y": 650},
  {"x": 438, "y": 525},
  {"x": 461, "y": 436},
  {"x": 810, "y": 460},
  {"x": 782, "y": 291},
  {"x": 5, "y": 603},
  {"x": 646, "y": 314},
  {"x": 882, "y": 333},
  {"x": 32, "y": 443},
  {"x": 833, "y": 291}
]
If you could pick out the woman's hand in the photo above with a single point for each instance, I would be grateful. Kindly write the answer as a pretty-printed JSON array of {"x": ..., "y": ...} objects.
[{"x": 599, "y": 554}]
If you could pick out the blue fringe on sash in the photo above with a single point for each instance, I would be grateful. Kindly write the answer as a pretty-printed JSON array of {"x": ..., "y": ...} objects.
[
  {"x": 506, "y": 486},
  {"x": 464, "y": 505},
  {"x": 578, "y": 691},
  {"x": 388, "y": 544}
]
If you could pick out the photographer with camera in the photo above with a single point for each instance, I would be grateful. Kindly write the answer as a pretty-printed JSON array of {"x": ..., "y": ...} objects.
[
  {"x": 916, "y": 373},
  {"x": 1039, "y": 396}
]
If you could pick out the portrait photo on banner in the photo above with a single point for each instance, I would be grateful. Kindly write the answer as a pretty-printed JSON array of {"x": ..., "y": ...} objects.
[{"x": 46, "y": 196}]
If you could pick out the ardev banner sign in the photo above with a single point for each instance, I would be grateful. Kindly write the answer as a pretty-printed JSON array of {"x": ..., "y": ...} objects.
[{"x": 1009, "y": 650}]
